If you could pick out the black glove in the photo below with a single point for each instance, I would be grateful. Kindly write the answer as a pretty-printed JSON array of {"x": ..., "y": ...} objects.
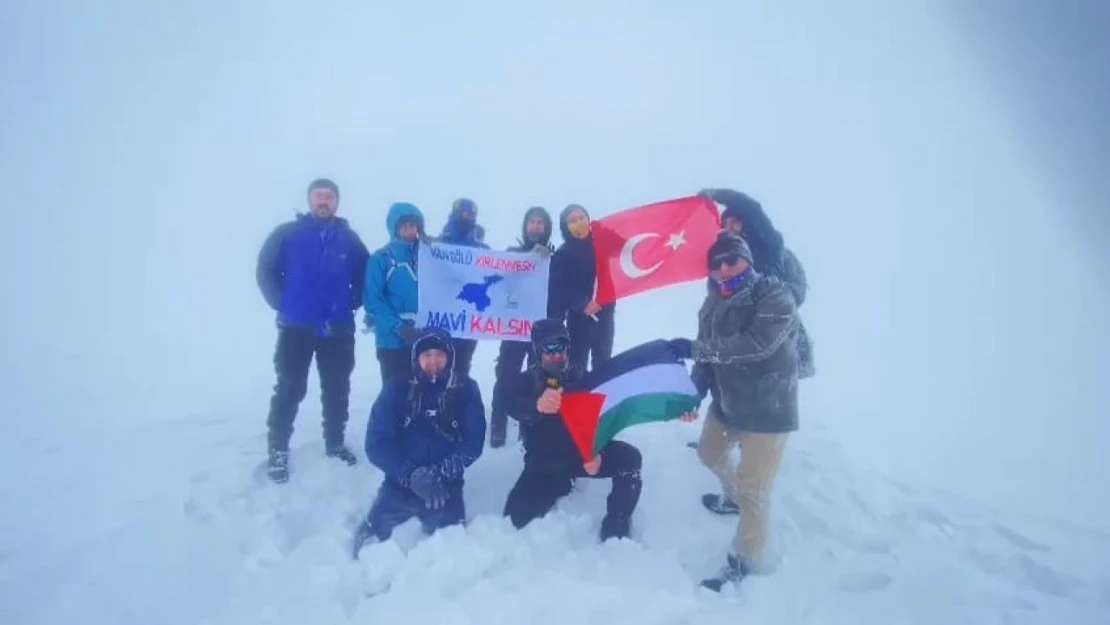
[
  {"x": 681, "y": 348},
  {"x": 428, "y": 486},
  {"x": 408, "y": 333}
]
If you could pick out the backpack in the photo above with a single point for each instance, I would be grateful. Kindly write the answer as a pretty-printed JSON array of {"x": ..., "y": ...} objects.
[{"x": 392, "y": 265}]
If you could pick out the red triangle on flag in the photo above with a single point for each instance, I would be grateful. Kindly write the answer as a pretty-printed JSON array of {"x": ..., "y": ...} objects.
[{"x": 581, "y": 414}]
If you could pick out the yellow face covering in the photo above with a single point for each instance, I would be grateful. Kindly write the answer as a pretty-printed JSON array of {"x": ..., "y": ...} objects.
[{"x": 578, "y": 225}]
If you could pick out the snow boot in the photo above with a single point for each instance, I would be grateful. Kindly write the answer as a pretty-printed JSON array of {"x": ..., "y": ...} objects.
[
  {"x": 615, "y": 526},
  {"x": 341, "y": 452},
  {"x": 277, "y": 467},
  {"x": 733, "y": 572},
  {"x": 719, "y": 504}
]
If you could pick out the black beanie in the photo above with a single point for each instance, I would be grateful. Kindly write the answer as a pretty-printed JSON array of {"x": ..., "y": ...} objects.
[
  {"x": 324, "y": 183},
  {"x": 726, "y": 245}
]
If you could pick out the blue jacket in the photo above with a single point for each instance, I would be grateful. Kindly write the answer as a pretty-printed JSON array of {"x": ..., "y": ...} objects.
[
  {"x": 390, "y": 292},
  {"x": 400, "y": 438},
  {"x": 310, "y": 271}
]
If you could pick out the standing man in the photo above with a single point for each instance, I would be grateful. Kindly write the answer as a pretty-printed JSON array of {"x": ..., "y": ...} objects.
[
  {"x": 390, "y": 295},
  {"x": 745, "y": 355},
  {"x": 310, "y": 271},
  {"x": 535, "y": 236},
  {"x": 462, "y": 229}
]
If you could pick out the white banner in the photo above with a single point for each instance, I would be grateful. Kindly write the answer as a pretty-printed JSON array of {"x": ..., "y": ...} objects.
[{"x": 481, "y": 294}]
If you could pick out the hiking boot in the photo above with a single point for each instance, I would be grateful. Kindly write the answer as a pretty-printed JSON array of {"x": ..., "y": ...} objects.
[
  {"x": 719, "y": 504},
  {"x": 732, "y": 573},
  {"x": 277, "y": 467},
  {"x": 341, "y": 452}
]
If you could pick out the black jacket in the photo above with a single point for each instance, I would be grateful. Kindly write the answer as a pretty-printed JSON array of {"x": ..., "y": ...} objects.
[{"x": 548, "y": 446}]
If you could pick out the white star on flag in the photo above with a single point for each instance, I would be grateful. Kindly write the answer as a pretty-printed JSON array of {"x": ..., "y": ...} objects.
[{"x": 677, "y": 240}]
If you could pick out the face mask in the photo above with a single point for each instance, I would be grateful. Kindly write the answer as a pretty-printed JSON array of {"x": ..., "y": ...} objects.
[{"x": 579, "y": 228}]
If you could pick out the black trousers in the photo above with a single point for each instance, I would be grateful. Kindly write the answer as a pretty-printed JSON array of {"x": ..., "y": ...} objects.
[
  {"x": 510, "y": 361},
  {"x": 591, "y": 342},
  {"x": 464, "y": 355},
  {"x": 394, "y": 362},
  {"x": 335, "y": 361},
  {"x": 537, "y": 491}
]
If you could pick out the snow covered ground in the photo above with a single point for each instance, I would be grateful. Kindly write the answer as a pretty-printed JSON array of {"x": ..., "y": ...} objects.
[
  {"x": 146, "y": 149},
  {"x": 171, "y": 524}
]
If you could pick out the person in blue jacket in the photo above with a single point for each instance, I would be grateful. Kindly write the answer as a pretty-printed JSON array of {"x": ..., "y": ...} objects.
[
  {"x": 310, "y": 271},
  {"x": 424, "y": 431},
  {"x": 390, "y": 293},
  {"x": 462, "y": 229}
]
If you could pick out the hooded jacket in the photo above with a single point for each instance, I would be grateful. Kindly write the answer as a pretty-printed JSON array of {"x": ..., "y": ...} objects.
[
  {"x": 390, "y": 293},
  {"x": 573, "y": 273},
  {"x": 417, "y": 422},
  {"x": 524, "y": 244}
]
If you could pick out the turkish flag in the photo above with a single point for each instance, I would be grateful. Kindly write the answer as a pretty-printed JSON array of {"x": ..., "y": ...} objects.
[{"x": 653, "y": 246}]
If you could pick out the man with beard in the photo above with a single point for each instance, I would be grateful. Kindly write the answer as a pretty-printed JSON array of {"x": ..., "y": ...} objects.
[
  {"x": 462, "y": 229},
  {"x": 551, "y": 459},
  {"x": 310, "y": 271},
  {"x": 535, "y": 237},
  {"x": 570, "y": 296},
  {"x": 390, "y": 294}
]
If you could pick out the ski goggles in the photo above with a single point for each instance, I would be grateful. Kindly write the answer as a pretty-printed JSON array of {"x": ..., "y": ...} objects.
[{"x": 552, "y": 348}]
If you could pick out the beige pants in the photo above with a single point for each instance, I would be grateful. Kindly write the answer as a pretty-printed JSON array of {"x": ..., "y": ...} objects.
[{"x": 749, "y": 484}]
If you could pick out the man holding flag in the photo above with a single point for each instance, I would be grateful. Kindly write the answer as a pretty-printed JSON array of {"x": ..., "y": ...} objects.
[
  {"x": 569, "y": 420},
  {"x": 551, "y": 458}
]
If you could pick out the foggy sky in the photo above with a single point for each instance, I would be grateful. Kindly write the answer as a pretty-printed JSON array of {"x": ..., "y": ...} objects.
[{"x": 955, "y": 304}]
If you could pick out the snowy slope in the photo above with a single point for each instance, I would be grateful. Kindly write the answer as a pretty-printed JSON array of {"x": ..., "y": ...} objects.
[{"x": 171, "y": 525}]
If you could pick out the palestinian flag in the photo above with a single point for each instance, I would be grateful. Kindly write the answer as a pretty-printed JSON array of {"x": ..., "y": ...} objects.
[{"x": 644, "y": 384}]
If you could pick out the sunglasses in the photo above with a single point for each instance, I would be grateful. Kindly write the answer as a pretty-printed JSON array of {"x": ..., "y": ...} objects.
[
  {"x": 554, "y": 347},
  {"x": 729, "y": 259}
]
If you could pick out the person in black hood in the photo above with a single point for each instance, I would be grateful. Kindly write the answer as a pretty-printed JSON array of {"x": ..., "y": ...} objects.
[
  {"x": 744, "y": 216},
  {"x": 535, "y": 236},
  {"x": 570, "y": 296},
  {"x": 551, "y": 459}
]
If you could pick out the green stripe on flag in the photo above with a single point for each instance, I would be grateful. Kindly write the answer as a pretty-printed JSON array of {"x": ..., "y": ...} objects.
[{"x": 646, "y": 408}]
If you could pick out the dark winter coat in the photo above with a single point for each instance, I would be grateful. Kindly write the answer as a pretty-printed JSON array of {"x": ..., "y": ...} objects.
[
  {"x": 548, "y": 446},
  {"x": 311, "y": 271},
  {"x": 573, "y": 275},
  {"x": 746, "y": 349},
  {"x": 411, "y": 427}
]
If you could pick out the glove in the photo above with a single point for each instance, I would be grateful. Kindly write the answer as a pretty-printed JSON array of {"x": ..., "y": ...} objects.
[
  {"x": 681, "y": 348},
  {"x": 408, "y": 334},
  {"x": 542, "y": 250},
  {"x": 428, "y": 486}
]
